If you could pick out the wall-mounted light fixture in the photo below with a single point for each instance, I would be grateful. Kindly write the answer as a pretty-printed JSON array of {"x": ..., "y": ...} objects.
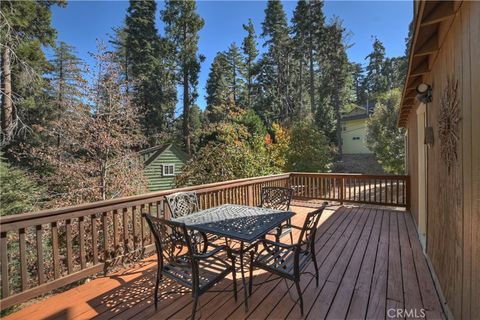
[{"x": 424, "y": 93}]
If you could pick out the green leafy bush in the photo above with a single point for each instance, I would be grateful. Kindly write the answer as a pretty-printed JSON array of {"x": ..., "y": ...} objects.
[
  {"x": 384, "y": 138},
  {"x": 18, "y": 192}
]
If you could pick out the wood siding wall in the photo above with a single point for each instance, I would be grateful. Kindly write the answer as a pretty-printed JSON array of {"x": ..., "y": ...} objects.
[
  {"x": 154, "y": 171},
  {"x": 453, "y": 198}
]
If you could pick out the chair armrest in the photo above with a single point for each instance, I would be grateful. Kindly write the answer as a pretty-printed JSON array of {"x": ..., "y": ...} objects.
[
  {"x": 295, "y": 227},
  {"x": 278, "y": 244},
  {"x": 211, "y": 252}
]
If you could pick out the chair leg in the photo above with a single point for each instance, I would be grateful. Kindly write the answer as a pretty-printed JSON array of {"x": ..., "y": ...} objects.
[
  {"x": 291, "y": 237},
  {"x": 234, "y": 277},
  {"x": 315, "y": 264},
  {"x": 157, "y": 284},
  {"x": 250, "y": 276},
  {"x": 195, "y": 302},
  {"x": 299, "y": 291}
]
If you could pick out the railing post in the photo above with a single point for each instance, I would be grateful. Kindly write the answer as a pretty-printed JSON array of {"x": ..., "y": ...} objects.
[
  {"x": 342, "y": 189},
  {"x": 407, "y": 193},
  {"x": 250, "y": 195}
]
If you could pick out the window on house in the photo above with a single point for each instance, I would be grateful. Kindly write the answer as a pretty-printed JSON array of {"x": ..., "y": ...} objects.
[
  {"x": 168, "y": 170},
  {"x": 356, "y": 138}
]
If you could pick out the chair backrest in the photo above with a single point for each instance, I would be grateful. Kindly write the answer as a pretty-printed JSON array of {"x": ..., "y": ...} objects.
[
  {"x": 276, "y": 198},
  {"x": 172, "y": 240},
  {"x": 309, "y": 229},
  {"x": 182, "y": 203}
]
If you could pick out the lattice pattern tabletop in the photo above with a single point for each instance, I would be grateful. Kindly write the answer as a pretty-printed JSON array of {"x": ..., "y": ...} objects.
[{"x": 237, "y": 222}]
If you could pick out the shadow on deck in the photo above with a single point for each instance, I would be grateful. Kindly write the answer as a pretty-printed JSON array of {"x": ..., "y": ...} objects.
[{"x": 370, "y": 263}]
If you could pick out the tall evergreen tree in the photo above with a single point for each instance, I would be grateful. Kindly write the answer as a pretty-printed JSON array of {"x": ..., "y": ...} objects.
[
  {"x": 235, "y": 73},
  {"x": 250, "y": 51},
  {"x": 309, "y": 37},
  {"x": 119, "y": 42},
  {"x": 66, "y": 76},
  {"x": 359, "y": 83},
  {"x": 274, "y": 78},
  {"x": 300, "y": 40},
  {"x": 376, "y": 81},
  {"x": 146, "y": 54},
  {"x": 333, "y": 89},
  {"x": 182, "y": 25},
  {"x": 217, "y": 89},
  {"x": 26, "y": 28}
]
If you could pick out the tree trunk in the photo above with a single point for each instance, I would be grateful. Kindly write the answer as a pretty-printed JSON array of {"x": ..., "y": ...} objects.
[
  {"x": 186, "y": 113},
  {"x": 249, "y": 89},
  {"x": 338, "y": 124},
  {"x": 7, "y": 102},
  {"x": 312, "y": 79},
  {"x": 186, "y": 102}
]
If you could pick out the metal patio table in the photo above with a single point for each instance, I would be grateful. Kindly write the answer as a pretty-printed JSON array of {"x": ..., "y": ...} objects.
[{"x": 241, "y": 223}]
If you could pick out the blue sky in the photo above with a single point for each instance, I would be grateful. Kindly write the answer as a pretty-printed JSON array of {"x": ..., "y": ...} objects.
[{"x": 81, "y": 23}]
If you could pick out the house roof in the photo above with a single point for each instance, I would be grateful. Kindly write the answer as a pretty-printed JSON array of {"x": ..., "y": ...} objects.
[
  {"x": 429, "y": 18},
  {"x": 357, "y": 113},
  {"x": 156, "y": 152}
]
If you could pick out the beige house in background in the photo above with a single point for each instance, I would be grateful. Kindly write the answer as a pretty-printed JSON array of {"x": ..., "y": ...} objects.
[{"x": 354, "y": 131}]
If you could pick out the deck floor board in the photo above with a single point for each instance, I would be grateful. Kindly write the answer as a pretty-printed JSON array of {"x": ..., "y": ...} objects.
[{"x": 369, "y": 259}]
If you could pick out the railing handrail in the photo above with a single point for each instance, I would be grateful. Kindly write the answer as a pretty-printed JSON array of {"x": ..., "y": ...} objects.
[
  {"x": 339, "y": 175},
  {"x": 98, "y": 205}
]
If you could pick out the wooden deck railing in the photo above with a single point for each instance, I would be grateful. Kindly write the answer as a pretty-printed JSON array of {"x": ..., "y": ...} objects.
[
  {"x": 46, "y": 250},
  {"x": 386, "y": 190}
]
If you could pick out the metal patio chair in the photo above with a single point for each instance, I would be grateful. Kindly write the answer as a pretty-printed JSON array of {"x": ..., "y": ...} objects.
[
  {"x": 278, "y": 198},
  {"x": 179, "y": 260},
  {"x": 288, "y": 261},
  {"x": 182, "y": 203}
]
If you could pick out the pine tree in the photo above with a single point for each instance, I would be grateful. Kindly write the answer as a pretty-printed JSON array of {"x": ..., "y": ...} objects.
[
  {"x": 26, "y": 28},
  {"x": 182, "y": 25},
  {"x": 277, "y": 102},
  {"x": 359, "y": 84},
  {"x": 309, "y": 37},
  {"x": 217, "y": 89},
  {"x": 66, "y": 76},
  {"x": 146, "y": 55},
  {"x": 334, "y": 85},
  {"x": 18, "y": 192},
  {"x": 300, "y": 40},
  {"x": 250, "y": 51},
  {"x": 376, "y": 81},
  {"x": 235, "y": 73},
  {"x": 119, "y": 42}
]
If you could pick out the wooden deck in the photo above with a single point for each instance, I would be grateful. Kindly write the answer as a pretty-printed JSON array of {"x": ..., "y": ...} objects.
[{"x": 370, "y": 261}]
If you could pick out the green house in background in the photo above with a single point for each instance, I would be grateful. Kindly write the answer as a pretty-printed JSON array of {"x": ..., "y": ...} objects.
[{"x": 161, "y": 165}]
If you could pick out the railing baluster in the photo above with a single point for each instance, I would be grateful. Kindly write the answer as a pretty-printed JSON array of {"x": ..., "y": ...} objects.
[
  {"x": 40, "y": 266},
  {"x": 116, "y": 235},
  {"x": 81, "y": 239},
  {"x": 105, "y": 236},
  {"x": 366, "y": 186},
  {"x": 391, "y": 191},
  {"x": 125, "y": 229},
  {"x": 4, "y": 259},
  {"x": 55, "y": 251},
  {"x": 68, "y": 234},
  {"x": 134, "y": 229},
  {"x": 93, "y": 222},
  {"x": 142, "y": 225},
  {"x": 397, "y": 199},
  {"x": 23, "y": 259}
]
